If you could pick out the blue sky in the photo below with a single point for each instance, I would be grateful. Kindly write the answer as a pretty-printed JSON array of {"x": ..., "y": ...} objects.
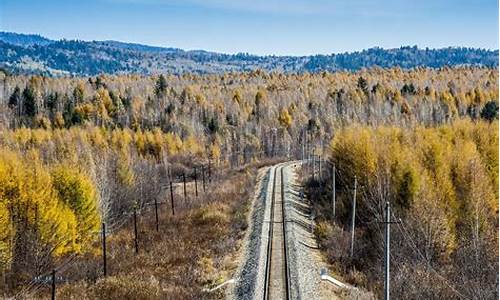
[{"x": 281, "y": 27}]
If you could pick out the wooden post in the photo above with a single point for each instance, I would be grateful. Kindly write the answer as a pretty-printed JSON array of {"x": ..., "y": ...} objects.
[
  {"x": 172, "y": 198},
  {"x": 195, "y": 183},
  {"x": 185, "y": 192},
  {"x": 136, "y": 241},
  {"x": 156, "y": 216},
  {"x": 53, "y": 285},
  {"x": 209, "y": 170},
  {"x": 203, "y": 177},
  {"x": 104, "y": 262}
]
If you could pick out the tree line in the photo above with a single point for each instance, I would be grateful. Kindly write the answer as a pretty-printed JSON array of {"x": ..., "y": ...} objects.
[{"x": 238, "y": 110}]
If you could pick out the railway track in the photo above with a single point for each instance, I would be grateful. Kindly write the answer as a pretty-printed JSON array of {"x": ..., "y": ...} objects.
[{"x": 277, "y": 279}]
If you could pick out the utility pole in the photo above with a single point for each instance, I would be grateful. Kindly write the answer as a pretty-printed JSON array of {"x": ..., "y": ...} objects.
[
  {"x": 306, "y": 148},
  {"x": 209, "y": 170},
  {"x": 104, "y": 263},
  {"x": 172, "y": 198},
  {"x": 333, "y": 191},
  {"x": 136, "y": 242},
  {"x": 273, "y": 138},
  {"x": 195, "y": 183},
  {"x": 303, "y": 148},
  {"x": 185, "y": 193},
  {"x": 304, "y": 142},
  {"x": 353, "y": 215},
  {"x": 203, "y": 178},
  {"x": 307, "y": 156},
  {"x": 387, "y": 250},
  {"x": 53, "y": 294},
  {"x": 156, "y": 216}
]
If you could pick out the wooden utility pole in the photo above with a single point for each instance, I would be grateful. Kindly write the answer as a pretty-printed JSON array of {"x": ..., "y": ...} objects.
[
  {"x": 304, "y": 143},
  {"x": 53, "y": 296},
  {"x": 353, "y": 215},
  {"x": 203, "y": 178},
  {"x": 195, "y": 183},
  {"x": 209, "y": 170},
  {"x": 136, "y": 241},
  {"x": 156, "y": 216},
  {"x": 185, "y": 192},
  {"x": 172, "y": 198},
  {"x": 333, "y": 191},
  {"x": 306, "y": 149}
]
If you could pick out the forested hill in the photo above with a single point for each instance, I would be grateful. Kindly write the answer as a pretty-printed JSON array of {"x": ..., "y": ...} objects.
[{"x": 33, "y": 54}]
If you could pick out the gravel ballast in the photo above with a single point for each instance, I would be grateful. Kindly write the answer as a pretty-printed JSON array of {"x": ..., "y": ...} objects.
[
  {"x": 251, "y": 272},
  {"x": 304, "y": 257}
]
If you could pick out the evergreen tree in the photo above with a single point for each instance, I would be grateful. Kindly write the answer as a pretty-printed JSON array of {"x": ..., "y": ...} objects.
[
  {"x": 490, "y": 111},
  {"x": 29, "y": 101},
  {"x": 52, "y": 101},
  {"x": 408, "y": 89},
  {"x": 15, "y": 98},
  {"x": 69, "y": 109},
  {"x": 363, "y": 85},
  {"x": 161, "y": 86},
  {"x": 78, "y": 94}
]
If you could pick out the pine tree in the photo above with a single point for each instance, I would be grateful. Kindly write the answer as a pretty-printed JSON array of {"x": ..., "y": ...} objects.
[
  {"x": 15, "y": 98},
  {"x": 490, "y": 111},
  {"x": 161, "y": 86},
  {"x": 363, "y": 85},
  {"x": 29, "y": 97}
]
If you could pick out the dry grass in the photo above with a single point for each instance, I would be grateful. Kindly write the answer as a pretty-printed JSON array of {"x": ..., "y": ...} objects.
[{"x": 188, "y": 253}]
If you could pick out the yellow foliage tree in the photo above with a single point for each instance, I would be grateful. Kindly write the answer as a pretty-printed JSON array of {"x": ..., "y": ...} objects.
[
  {"x": 77, "y": 191},
  {"x": 27, "y": 189},
  {"x": 192, "y": 146},
  {"x": 285, "y": 118}
]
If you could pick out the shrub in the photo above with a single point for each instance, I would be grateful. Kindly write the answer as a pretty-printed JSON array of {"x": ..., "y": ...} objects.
[
  {"x": 127, "y": 287},
  {"x": 211, "y": 215}
]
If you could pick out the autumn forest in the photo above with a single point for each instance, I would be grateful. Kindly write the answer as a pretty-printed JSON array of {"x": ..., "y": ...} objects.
[{"x": 76, "y": 152}]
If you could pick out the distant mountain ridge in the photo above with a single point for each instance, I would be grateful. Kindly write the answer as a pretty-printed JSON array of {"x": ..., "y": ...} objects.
[
  {"x": 31, "y": 54},
  {"x": 24, "y": 39}
]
